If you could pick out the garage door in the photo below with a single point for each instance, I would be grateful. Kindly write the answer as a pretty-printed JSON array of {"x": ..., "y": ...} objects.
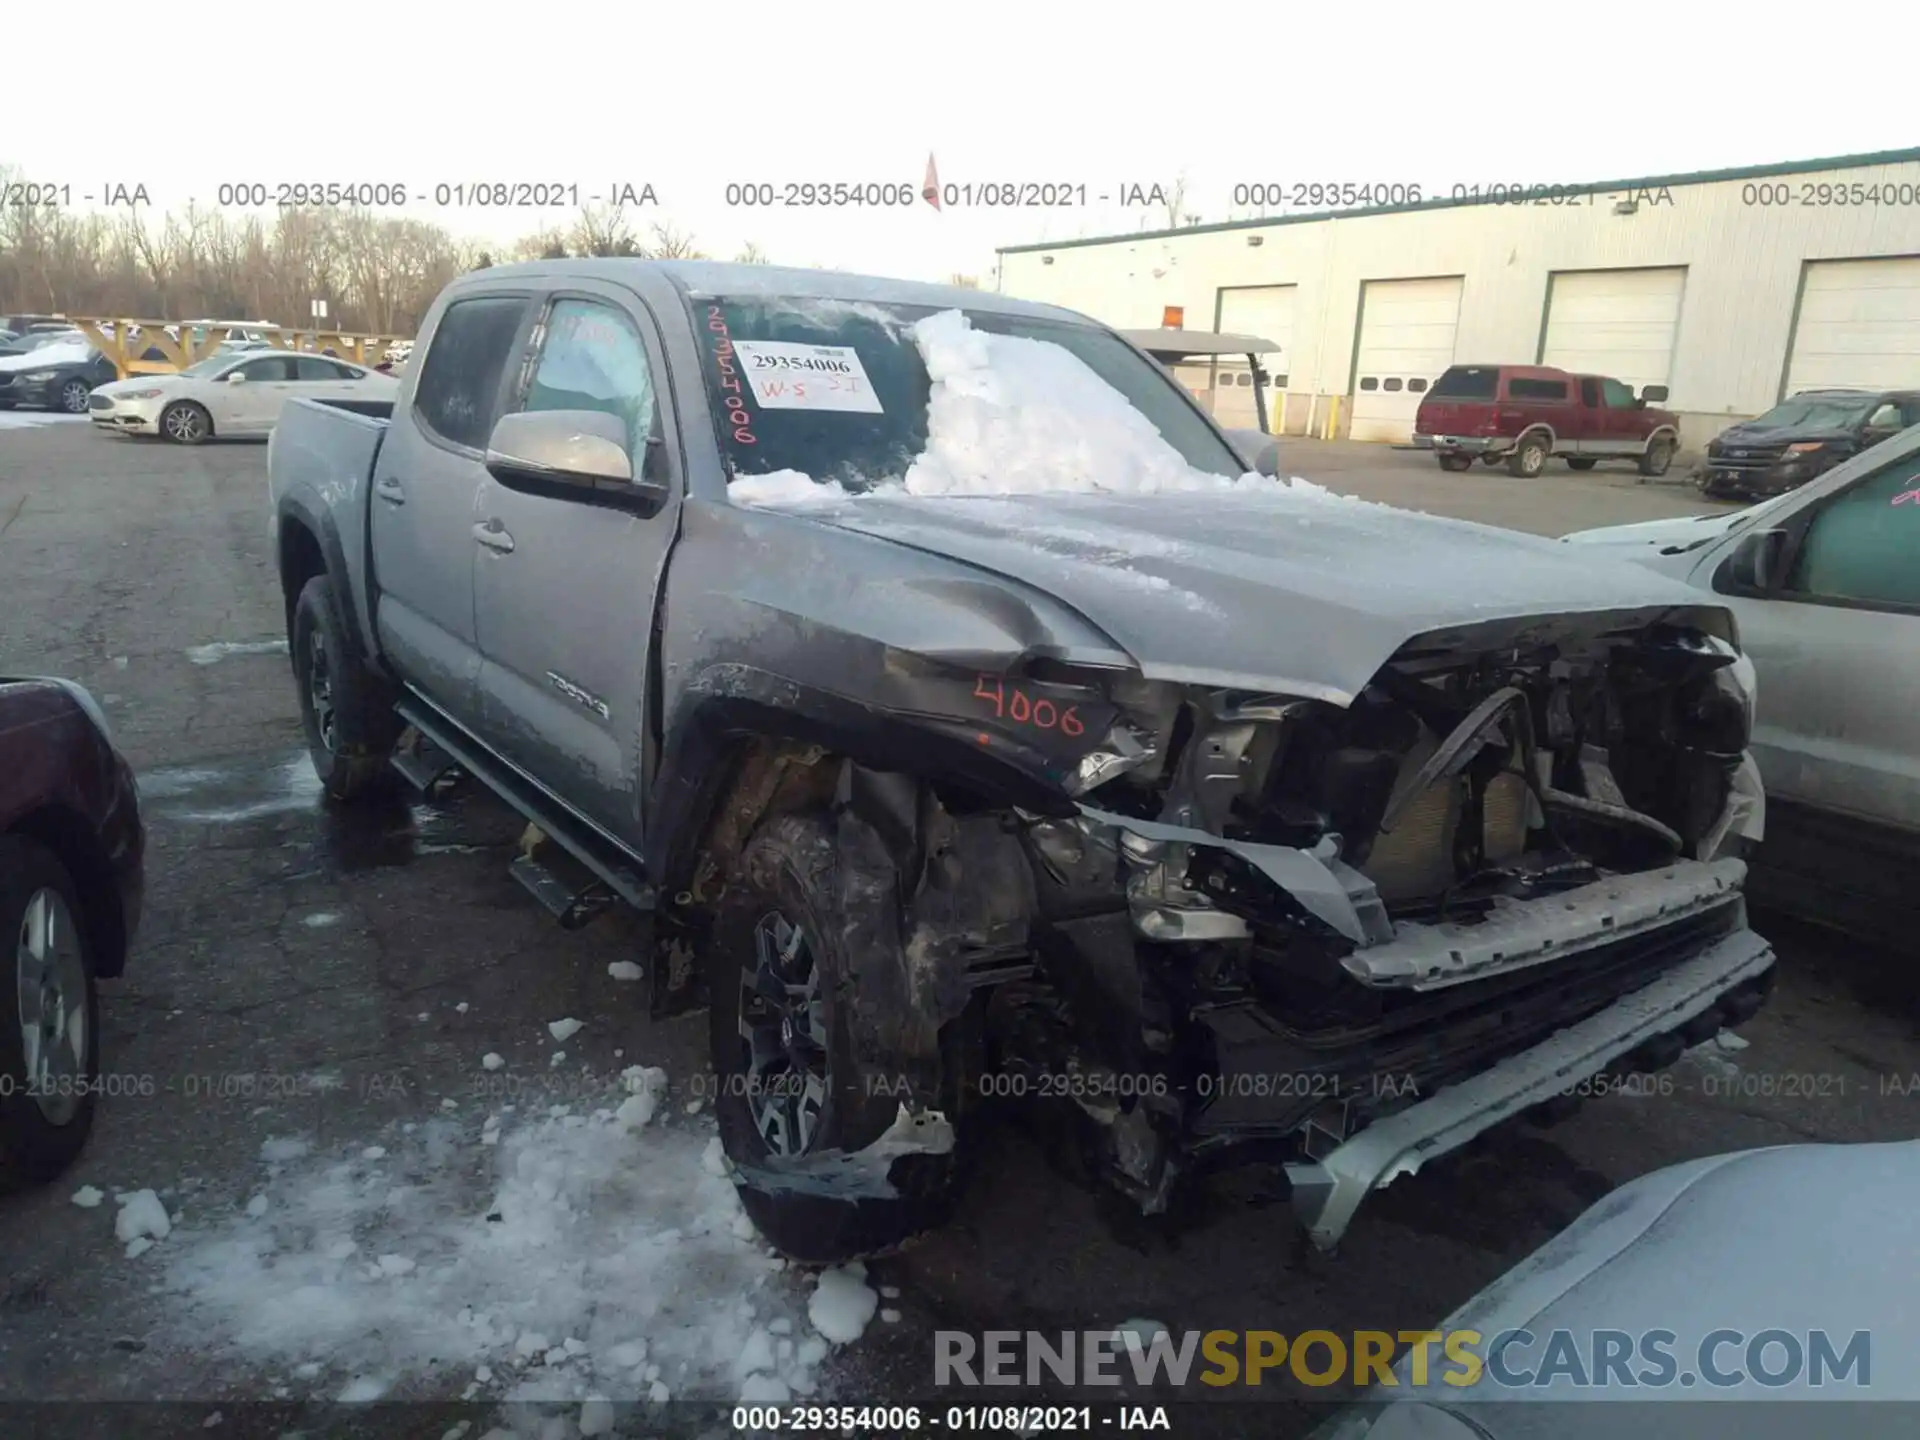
[
  {"x": 1406, "y": 341},
  {"x": 1859, "y": 327},
  {"x": 1265, "y": 311},
  {"x": 1620, "y": 323}
]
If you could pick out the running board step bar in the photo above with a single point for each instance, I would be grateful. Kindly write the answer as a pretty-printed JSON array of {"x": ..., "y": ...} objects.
[
  {"x": 565, "y": 888},
  {"x": 443, "y": 744}
]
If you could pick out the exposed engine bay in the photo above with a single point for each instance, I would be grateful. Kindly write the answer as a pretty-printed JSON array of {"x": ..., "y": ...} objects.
[
  {"x": 1260, "y": 926},
  {"x": 1331, "y": 913}
]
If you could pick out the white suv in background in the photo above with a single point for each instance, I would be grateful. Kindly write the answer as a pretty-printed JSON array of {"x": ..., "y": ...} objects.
[{"x": 1825, "y": 584}]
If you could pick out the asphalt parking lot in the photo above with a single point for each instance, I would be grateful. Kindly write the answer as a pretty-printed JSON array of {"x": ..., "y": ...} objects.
[{"x": 309, "y": 988}]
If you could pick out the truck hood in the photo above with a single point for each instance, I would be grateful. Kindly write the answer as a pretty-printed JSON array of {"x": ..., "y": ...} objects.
[
  {"x": 1752, "y": 434},
  {"x": 1690, "y": 531},
  {"x": 1300, "y": 593}
]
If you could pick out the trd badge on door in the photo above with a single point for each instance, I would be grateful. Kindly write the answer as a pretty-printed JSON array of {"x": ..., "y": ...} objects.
[{"x": 573, "y": 692}]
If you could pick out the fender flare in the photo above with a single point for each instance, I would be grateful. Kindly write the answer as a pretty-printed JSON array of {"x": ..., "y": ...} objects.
[
  {"x": 1539, "y": 427},
  {"x": 301, "y": 507},
  {"x": 1662, "y": 432}
]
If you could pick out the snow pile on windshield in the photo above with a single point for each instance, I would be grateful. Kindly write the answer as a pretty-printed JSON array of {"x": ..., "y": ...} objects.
[{"x": 1013, "y": 416}]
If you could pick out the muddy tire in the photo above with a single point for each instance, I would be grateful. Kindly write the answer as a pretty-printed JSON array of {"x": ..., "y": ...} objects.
[
  {"x": 1456, "y": 462},
  {"x": 1581, "y": 462},
  {"x": 1529, "y": 457},
  {"x": 186, "y": 423},
  {"x": 345, "y": 709},
  {"x": 1658, "y": 456},
  {"x": 49, "y": 1016},
  {"x": 787, "y": 1083}
]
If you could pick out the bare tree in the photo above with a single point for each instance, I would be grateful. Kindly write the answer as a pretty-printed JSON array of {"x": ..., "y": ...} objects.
[
  {"x": 603, "y": 230},
  {"x": 671, "y": 244},
  {"x": 751, "y": 254},
  {"x": 964, "y": 282},
  {"x": 1176, "y": 198}
]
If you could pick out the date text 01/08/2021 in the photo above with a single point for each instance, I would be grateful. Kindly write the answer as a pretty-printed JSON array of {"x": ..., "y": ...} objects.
[
  {"x": 908, "y": 1419},
  {"x": 962, "y": 195},
  {"x": 443, "y": 195}
]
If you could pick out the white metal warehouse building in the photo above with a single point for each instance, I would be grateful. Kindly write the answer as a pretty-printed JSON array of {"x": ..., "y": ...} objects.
[{"x": 1732, "y": 288}]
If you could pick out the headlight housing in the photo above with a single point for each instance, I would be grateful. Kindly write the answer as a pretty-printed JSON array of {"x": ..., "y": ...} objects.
[{"x": 40, "y": 377}]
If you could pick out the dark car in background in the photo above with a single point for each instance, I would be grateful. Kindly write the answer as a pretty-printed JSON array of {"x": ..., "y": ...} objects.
[
  {"x": 1523, "y": 414},
  {"x": 57, "y": 375},
  {"x": 1802, "y": 437},
  {"x": 72, "y": 851}
]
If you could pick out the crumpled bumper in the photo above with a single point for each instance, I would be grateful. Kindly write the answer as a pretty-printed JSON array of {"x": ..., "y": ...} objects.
[{"x": 1327, "y": 1192}]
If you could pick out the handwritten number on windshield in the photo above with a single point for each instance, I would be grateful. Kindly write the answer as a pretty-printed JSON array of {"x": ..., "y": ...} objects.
[{"x": 1907, "y": 497}]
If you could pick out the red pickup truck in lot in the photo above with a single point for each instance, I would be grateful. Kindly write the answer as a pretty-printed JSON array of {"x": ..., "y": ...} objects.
[{"x": 1523, "y": 414}]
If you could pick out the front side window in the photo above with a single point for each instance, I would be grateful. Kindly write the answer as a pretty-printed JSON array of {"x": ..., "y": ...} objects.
[
  {"x": 1863, "y": 544},
  {"x": 459, "y": 386},
  {"x": 311, "y": 369},
  {"x": 593, "y": 359},
  {"x": 1617, "y": 395}
]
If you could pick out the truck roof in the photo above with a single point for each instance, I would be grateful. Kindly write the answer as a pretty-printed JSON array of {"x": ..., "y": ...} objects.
[{"x": 714, "y": 277}]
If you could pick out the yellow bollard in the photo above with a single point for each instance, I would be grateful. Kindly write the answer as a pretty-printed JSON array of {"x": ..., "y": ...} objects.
[{"x": 1280, "y": 421}]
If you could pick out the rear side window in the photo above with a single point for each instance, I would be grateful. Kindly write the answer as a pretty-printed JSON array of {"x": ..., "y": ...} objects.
[
  {"x": 1519, "y": 389},
  {"x": 1467, "y": 382},
  {"x": 459, "y": 386}
]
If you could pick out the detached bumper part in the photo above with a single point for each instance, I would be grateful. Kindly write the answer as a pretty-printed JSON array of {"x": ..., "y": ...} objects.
[
  {"x": 1328, "y": 1192},
  {"x": 855, "y": 1174}
]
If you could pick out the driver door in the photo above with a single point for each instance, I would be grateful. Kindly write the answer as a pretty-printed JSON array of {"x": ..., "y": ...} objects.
[{"x": 564, "y": 587}]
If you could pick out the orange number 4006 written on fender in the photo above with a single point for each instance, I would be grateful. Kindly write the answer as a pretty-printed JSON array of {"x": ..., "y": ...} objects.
[{"x": 1010, "y": 702}]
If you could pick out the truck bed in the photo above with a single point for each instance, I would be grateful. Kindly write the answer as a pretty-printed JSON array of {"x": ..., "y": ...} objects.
[{"x": 320, "y": 460}]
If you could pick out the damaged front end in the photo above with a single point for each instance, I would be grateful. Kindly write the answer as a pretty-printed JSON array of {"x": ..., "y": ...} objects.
[{"x": 1351, "y": 938}]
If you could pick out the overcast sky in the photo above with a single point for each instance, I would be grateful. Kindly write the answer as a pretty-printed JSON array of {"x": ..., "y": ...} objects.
[{"x": 429, "y": 93}]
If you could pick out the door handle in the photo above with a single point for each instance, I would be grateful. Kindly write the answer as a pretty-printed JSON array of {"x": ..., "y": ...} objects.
[
  {"x": 493, "y": 537},
  {"x": 390, "y": 490}
]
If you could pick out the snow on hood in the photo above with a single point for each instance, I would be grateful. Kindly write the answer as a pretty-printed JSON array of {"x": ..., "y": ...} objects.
[
  {"x": 72, "y": 353},
  {"x": 1038, "y": 470}
]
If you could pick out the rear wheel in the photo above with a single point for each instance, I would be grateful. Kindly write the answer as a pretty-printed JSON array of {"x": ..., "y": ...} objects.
[
  {"x": 1456, "y": 462},
  {"x": 1529, "y": 457},
  {"x": 782, "y": 996},
  {"x": 1658, "y": 456},
  {"x": 49, "y": 1016},
  {"x": 1579, "y": 462},
  {"x": 185, "y": 423},
  {"x": 346, "y": 709}
]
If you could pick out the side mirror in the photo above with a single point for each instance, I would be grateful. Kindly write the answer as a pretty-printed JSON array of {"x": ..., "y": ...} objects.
[
  {"x": 579, "y": 450},
  {"x": 1267, "y": 462},
  {"x": 1652, "y": 394},
  {"x": 1756, "y": 562},
  {"x": 238, "y": 377}
]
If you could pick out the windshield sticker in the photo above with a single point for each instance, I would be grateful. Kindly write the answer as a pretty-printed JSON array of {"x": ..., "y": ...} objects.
[
  {"x": 1907, "y": 497},
  {"x": 788, "y": 376}
]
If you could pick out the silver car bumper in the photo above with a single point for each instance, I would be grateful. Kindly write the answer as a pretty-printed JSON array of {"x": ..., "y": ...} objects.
[{"x": 1328, "y": 1192}]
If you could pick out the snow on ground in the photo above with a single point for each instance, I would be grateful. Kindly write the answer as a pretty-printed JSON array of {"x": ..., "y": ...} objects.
[
  {"x": 1013, "y": 416},
  {"x": 557, "y": 1257},
  {"x": 221, "y": 649},
  {"x": 27, "y": 419}
]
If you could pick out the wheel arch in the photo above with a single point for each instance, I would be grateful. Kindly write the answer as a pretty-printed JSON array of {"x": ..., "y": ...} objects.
[
  {"x": 307, "y": 545},
  {"x": 1662, "y": 432},
  {"x": 1542, "y": 429},
  {"x": 66, "y": 835}
]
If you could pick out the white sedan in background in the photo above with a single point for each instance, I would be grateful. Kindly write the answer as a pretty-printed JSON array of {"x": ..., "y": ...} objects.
[{"x": 231, "y": 394}]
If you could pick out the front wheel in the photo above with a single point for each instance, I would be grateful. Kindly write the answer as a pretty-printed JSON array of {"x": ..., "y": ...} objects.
[
  {"x": 782, "y": 991},
  {"x": 1529, "y": 457},
  {"x": 185, "y": 423},
  {"x": 1658, "y": 456},
  {"x": 74, "y": 396},
  {"x": 346, "y": 709},
  {"x": 49, "y": 1016},
  {"x": 1456, "y": 462}
]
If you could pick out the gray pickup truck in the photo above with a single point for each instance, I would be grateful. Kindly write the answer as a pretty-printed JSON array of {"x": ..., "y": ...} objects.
[{"x": 1211, "y": 819}]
